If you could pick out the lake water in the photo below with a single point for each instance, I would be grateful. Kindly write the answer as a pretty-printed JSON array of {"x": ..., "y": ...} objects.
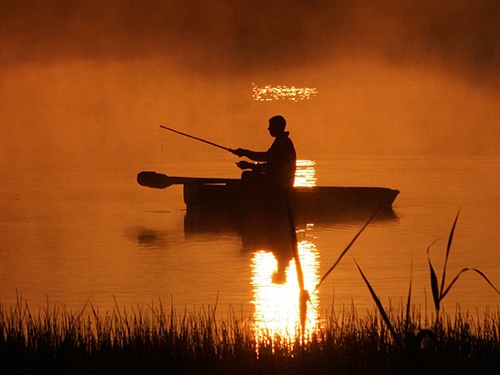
[{"x": 70, "y": 238}]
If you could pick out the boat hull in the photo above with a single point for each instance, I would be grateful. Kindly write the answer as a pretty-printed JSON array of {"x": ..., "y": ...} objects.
[
  {"x": 237, "y": 203},
  {"x": 222, "y": 202}
]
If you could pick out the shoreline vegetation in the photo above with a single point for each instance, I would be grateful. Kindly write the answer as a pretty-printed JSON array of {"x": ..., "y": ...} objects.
[{"x": 157, "y": 340}]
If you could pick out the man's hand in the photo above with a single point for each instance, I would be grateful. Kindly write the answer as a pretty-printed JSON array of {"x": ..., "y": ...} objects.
[
  {"x": 244, "y": 165},
  {"x": 239, "y": 152}
]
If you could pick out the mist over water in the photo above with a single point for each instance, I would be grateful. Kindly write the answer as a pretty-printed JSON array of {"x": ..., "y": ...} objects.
[
  {"x": 107, "y": 114},
  {"x": 257, "y": 36}
]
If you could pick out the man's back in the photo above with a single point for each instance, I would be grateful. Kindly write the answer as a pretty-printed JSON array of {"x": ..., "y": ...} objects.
[{"x": 281, "y": 161}]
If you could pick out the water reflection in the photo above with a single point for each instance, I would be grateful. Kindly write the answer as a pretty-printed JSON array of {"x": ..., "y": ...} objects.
[
  {"x": 269, "y": 93},
  {"x": 283, "y": 270},
  {"x": 276, "y": 294}
]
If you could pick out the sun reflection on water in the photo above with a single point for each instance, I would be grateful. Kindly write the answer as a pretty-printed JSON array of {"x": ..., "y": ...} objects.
[
  {"x": 276, "y": 297},
  {"x": 269, "y": 93},
  {"x": 305, "y": 173}
]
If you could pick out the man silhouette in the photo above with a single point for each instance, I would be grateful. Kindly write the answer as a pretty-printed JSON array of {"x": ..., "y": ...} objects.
[{"x": 275, "y": 166}]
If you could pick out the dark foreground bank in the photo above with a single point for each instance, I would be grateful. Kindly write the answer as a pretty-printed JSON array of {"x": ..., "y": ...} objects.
[{"x": 153, "y": 340}]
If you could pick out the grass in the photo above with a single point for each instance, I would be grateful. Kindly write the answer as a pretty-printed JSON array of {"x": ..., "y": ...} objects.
[
  {"x": 438, "y": 293},
  {"x": 155, "y": 340}
]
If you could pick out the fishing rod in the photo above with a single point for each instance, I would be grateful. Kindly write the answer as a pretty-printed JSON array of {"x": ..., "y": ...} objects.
[{"x": 198, "y": 139}]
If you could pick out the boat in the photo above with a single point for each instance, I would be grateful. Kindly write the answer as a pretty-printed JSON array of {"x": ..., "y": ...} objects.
[{"x": 223, "y": 201}]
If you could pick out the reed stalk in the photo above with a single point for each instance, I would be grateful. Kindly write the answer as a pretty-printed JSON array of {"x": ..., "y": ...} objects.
[
  {"x": 410, "y": 339},
  {"x": 439, "y": 292}
]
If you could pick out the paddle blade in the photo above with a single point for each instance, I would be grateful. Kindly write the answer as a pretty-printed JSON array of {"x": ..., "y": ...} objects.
[{"x": 153, "y": 180}]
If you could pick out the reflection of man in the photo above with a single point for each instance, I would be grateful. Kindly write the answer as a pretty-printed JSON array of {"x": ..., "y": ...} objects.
[{"x": 277, "y": 165}]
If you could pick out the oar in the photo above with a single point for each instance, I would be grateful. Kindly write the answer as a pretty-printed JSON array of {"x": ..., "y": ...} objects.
[
  {"x": 198, "y": 139},
  {"x": 162, "y": 181}
]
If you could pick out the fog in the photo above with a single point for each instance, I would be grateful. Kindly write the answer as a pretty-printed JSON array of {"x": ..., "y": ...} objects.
[
  {"x": 228, "y": 36},
  {"x": 88, "y": 84}
]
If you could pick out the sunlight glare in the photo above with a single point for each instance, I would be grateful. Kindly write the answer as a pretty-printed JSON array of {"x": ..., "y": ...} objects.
[
  {"x": 276, "y": 305},
  {"x": 305, "y": 174},
  {"x": 269, "y": 93}
]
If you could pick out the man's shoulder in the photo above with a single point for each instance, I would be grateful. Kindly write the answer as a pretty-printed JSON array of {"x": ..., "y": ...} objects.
[
  {"x": 282, "y": 142},
  {"x": 284, "y": 139}
]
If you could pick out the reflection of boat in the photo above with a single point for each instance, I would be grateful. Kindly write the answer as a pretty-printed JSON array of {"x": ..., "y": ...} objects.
[{"x": 222, "y": 201}]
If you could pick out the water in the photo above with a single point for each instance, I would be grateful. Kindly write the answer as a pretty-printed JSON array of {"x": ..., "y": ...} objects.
[{"x": 72, "y": 238}]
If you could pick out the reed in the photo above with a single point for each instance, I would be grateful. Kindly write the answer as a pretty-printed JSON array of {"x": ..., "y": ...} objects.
[
  {"x": 439, "y": 292},
  {"x": 407, "y": 336},
  {"x": 152, "y": 339}
]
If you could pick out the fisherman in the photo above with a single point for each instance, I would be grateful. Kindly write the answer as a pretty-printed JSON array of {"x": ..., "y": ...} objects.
[{"x": 275, "y": 166}]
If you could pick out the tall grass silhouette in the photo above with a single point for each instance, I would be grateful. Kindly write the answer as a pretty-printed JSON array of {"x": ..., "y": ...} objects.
[
  {"x": 439, "y": 292},
  {"x": 153, "y": 339}
]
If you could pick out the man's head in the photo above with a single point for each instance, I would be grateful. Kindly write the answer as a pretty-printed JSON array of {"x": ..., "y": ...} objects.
[{"x": 276, "y": 125}]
